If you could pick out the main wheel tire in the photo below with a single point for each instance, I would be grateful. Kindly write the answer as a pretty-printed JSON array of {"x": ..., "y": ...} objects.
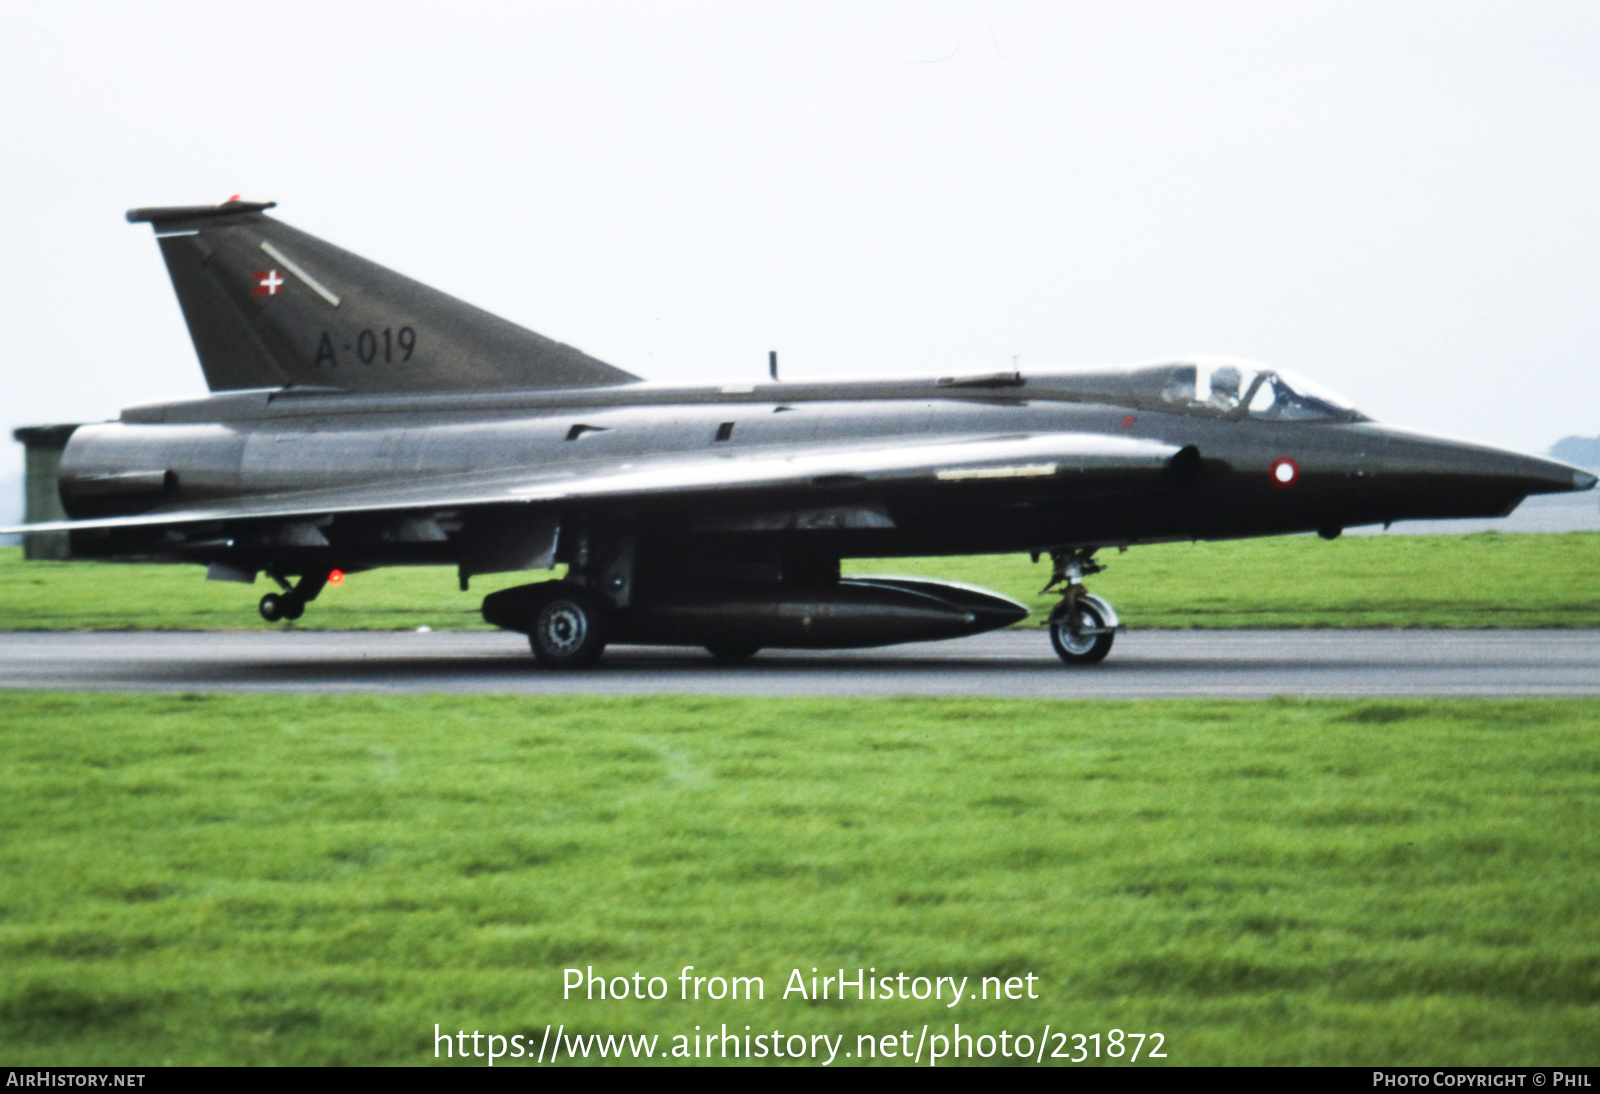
[
  {"x": 570, "y": 629},
  {"x": 733, "y": 651},
  {"x": 293, "y": 607},
  {"x": 1079, "y": 649},
  {"x": 271, "y": 607}
]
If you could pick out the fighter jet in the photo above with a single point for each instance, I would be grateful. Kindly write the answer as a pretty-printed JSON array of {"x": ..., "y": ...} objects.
[{"x": 360, "y": 419}]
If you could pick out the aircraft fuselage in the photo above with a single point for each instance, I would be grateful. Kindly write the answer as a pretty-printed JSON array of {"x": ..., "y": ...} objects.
[{"x": 1346, "y": 472}]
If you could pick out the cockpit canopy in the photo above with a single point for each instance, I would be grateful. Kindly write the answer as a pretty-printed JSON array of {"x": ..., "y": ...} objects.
[{"x": 1235, "y": 389}]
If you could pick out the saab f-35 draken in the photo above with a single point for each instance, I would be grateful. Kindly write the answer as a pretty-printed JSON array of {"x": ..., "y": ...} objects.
[{"x": 360, "y": 419}]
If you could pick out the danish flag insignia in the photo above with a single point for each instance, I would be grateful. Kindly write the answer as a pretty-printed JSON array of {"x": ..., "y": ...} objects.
[{"x": 268, "y": 282}]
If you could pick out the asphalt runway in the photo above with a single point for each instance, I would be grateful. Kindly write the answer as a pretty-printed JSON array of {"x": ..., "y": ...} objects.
[{"x": 1144, "y": 664}]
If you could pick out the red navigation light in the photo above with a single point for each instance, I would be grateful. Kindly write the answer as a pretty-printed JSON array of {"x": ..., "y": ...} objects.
[{"x": 335, "y": 577}]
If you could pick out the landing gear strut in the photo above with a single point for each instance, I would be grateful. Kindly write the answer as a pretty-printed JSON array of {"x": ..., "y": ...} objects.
[
  {"x": 291, "y": 603},
  {"x": 1082, "y": 626}
]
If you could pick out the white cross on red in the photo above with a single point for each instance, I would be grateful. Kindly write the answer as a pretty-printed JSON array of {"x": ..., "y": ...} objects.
[{"x": 271, "y": 282}]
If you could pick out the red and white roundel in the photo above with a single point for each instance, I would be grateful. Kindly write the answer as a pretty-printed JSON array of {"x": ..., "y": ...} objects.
[{"x": 1284, "y": 472}]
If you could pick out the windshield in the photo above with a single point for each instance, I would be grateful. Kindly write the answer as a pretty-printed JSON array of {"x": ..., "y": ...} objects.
[{"x": 1235, "y": 389}]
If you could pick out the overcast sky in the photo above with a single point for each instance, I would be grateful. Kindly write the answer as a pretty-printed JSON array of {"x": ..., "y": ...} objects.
[{"x": 1401, "y": 201}]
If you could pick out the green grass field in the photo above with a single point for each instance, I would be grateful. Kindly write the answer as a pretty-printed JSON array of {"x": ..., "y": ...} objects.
[
  {"x": 280, "y": 879},
  {"x": 1488, "y": 580}
]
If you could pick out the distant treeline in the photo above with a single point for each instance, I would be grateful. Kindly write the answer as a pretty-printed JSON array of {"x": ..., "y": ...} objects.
[{"x": 1583, "y": 451}]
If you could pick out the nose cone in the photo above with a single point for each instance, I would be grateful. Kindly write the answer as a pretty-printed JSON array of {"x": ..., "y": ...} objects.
[
  {"x": 1534, "y": 475},
  {"x": 1419, "y": 452},
  {"x": 1428, "y": 477},
  {"x": 1554, "y": 477}
]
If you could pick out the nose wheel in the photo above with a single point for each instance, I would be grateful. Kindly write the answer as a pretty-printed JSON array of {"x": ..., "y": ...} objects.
[
  {"x": 1082, "y": 626},
  {"x": 1081, "y": 639}
]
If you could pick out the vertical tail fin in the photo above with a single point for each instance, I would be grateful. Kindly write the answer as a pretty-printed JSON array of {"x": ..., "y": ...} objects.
[{"x": 268, "y": 306}]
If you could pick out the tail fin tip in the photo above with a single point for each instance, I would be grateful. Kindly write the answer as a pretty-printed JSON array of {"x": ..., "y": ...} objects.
[{"x": 157, "y": 214}]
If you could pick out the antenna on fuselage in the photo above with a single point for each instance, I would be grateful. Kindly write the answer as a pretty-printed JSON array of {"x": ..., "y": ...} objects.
[{"x": 772, "y": 363}]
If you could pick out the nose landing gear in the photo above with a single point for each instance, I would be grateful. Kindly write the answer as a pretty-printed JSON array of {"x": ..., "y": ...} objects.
[
  {"x": 1082, "y": 626},
  {"x": 291, "y": 603}
]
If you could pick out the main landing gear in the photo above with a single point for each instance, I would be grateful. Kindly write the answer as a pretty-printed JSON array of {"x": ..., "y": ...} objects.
[
  {"x": 291, "y": 603},
  {"x": 570, "y": 628},
  {"x": 1082, "y": 626}
]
